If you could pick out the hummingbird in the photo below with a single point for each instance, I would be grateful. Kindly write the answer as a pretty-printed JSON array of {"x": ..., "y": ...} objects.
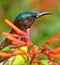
[{"x": 23, "y": 21}]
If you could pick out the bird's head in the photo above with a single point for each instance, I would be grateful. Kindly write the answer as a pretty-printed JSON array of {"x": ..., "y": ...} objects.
[{"x": 26, "y": 19}]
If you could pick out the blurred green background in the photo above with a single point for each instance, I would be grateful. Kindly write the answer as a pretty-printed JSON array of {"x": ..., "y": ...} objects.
[{"x": 44, "y": 28}]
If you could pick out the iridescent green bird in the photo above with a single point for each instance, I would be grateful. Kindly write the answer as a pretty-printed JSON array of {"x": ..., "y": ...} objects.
[
  {"x": 26, "y": 19},
  {"x": 23, "y": 21}
]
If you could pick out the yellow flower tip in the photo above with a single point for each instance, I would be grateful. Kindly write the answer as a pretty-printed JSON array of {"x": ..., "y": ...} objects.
[
  {"x": 6, "y": 20},
  {"x": 4, "y": 33}
]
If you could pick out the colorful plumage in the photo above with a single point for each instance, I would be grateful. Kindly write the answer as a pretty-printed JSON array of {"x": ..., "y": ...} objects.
[
  {"x": 26, "y": 19},
  {"x": 23, "y": 21}
]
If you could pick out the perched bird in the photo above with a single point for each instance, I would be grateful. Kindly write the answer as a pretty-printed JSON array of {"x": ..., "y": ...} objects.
[
  {"x": 26, "y": 19},
  {"x": 23, "y": 21}
]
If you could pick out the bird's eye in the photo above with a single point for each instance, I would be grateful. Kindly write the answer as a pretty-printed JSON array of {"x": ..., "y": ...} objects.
[{"x": 31, "y": 18}]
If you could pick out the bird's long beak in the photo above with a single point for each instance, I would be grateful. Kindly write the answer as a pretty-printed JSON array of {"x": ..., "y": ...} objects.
[{"x": 42, "y": 14}]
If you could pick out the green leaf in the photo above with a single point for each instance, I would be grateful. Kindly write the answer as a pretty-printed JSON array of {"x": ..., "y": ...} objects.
[
  {"x": 6, "y": 49},
  {"x": 16, "y": 60},
  {"x": 45, "y": 62}
]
